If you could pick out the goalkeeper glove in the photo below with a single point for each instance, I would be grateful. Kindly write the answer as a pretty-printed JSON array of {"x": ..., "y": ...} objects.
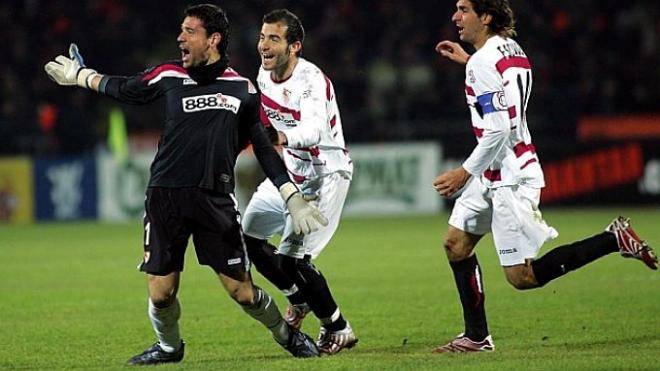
[
  {"x": 306, "y": 217},
  {"x": 70, "y": 71}
]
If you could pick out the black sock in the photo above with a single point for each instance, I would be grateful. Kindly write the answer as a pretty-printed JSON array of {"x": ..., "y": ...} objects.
[
  {"x": 315, "y": 288},
  {"x": 467, "y": 275},
  {"x": 296, "y": 298},
  {"x": 267, "y": 263},
  {"x": 563, "y": 259},
  {"x": 336, "y": 325}
]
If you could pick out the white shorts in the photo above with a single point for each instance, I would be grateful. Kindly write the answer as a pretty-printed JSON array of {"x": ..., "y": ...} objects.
[
  {"x": 511, "y": 213},
  {"x": 267, "y": 215}
]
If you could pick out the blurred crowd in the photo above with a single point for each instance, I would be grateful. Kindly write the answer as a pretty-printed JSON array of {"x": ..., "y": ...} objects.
[{"x": 589, "y": 57}]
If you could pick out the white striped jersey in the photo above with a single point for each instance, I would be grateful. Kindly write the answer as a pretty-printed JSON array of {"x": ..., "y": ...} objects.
[
  {"x": 498, "y": 82},
  {"x": 304, "y": 107}
]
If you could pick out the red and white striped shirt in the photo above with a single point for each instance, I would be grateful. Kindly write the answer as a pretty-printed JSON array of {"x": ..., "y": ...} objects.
[
  {"x": 498, "y": 83},
  {"x": 304, "y": 107}
]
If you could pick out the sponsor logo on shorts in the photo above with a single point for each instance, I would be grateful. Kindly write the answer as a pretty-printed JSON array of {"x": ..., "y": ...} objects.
[
  {"x": 294, "y": 241},
  {"x": 224, "y": 178},
  {"x": 147, "y": 255},
  {"x": 507, "y": 251},
  {"x": 234, "y": 261}
]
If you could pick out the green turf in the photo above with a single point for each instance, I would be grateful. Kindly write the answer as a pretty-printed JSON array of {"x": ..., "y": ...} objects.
[{"x": 71, "y": 298}]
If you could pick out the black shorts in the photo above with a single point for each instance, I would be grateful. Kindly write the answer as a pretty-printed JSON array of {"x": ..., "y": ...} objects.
[{"x": 172, "y": 215}]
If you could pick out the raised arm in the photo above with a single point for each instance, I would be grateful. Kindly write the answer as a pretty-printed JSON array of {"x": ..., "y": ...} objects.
[
  {"x": 71, "y": 71},
  {"x": 452, "y": 51}
]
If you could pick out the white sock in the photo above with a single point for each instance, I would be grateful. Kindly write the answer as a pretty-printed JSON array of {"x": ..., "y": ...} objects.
[
  {"x": 265, "y": 311},
  {"x": 165, "y": 322}
]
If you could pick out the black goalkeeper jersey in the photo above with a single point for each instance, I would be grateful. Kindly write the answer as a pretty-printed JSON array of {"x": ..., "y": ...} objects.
[{"x": 206, "y": 126}]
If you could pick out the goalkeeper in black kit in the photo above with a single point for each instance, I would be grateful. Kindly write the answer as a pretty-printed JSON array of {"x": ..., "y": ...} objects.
[{"x": 212, "y": 113}]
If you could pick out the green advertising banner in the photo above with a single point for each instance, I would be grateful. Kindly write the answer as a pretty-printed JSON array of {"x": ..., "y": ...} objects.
[
  {"x": 122, "y": 185},
  {"x": 394, "y": 179}
]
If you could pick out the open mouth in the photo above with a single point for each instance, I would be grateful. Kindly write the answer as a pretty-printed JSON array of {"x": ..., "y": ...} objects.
[
  {"x": 267, "y": 57},
  {"x": 185, "y": 54},
  {"x": 460, "y": 29}
]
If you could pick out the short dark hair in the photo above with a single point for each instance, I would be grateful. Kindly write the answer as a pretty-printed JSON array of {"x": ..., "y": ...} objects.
[
  {"x": 503, "y": 22},
  {"x": 214, "y": 20},
  {"x": 294, "y": 31}
]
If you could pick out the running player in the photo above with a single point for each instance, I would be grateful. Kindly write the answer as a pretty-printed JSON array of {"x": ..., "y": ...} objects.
[{"x": 502, "y": 177}]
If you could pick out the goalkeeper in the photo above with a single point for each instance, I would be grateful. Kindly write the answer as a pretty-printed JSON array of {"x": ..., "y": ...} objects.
[{"x": 211, "y": 115}]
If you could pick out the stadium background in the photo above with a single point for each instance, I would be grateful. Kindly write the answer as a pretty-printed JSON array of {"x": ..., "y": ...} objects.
[{"x": 593, "y": 113}]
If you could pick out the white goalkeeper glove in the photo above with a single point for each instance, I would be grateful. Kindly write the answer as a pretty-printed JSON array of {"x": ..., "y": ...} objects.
[
  {"x": 306, "y": 217},
  {"x": 70, "y": 71}
]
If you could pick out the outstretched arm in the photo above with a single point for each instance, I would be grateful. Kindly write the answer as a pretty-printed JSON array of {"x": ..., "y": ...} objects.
[{"x": 71, "y": 71}]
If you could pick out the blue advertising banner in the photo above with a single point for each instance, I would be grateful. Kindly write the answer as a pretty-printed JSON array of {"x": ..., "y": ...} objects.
[{"x": 65, "y": 188}]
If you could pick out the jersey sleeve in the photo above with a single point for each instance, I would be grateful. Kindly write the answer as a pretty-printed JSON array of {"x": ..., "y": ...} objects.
[
  {"x": 313, "y": 113},
  {"x": 142, "y": 88},
  {"x": 269, "y": 160},
  {"x": 491, "y": 104}
]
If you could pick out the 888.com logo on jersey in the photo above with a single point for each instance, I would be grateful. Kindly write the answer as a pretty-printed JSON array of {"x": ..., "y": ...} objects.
[{"x": 210, "y": 101}]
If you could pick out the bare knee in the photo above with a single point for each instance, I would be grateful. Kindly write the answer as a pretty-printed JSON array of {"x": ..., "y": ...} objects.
[
  {"x": 521, "y": 277},
  {"x": 162, "y": 290},
  {"x": 456, "y": 249},
  {"x": 243, "y": 295},
  {"x": 459, "y": 244},
  {"x": 241, "y": 290}
]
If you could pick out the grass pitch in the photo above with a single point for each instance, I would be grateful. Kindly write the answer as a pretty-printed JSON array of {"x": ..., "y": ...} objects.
[{"x": 71, "y": 298}]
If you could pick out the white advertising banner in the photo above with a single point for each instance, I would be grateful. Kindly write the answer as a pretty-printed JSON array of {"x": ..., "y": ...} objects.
[
  {"x": 394, "y": 179},
  {"x": 388, "y": 179},
  {"x": 122, "y": 186}
]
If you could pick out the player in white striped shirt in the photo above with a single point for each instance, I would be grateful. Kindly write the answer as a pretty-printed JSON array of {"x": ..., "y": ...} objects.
[
  {"x": 502, "y": 177},
  {"x": 299, "y": 107}
]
